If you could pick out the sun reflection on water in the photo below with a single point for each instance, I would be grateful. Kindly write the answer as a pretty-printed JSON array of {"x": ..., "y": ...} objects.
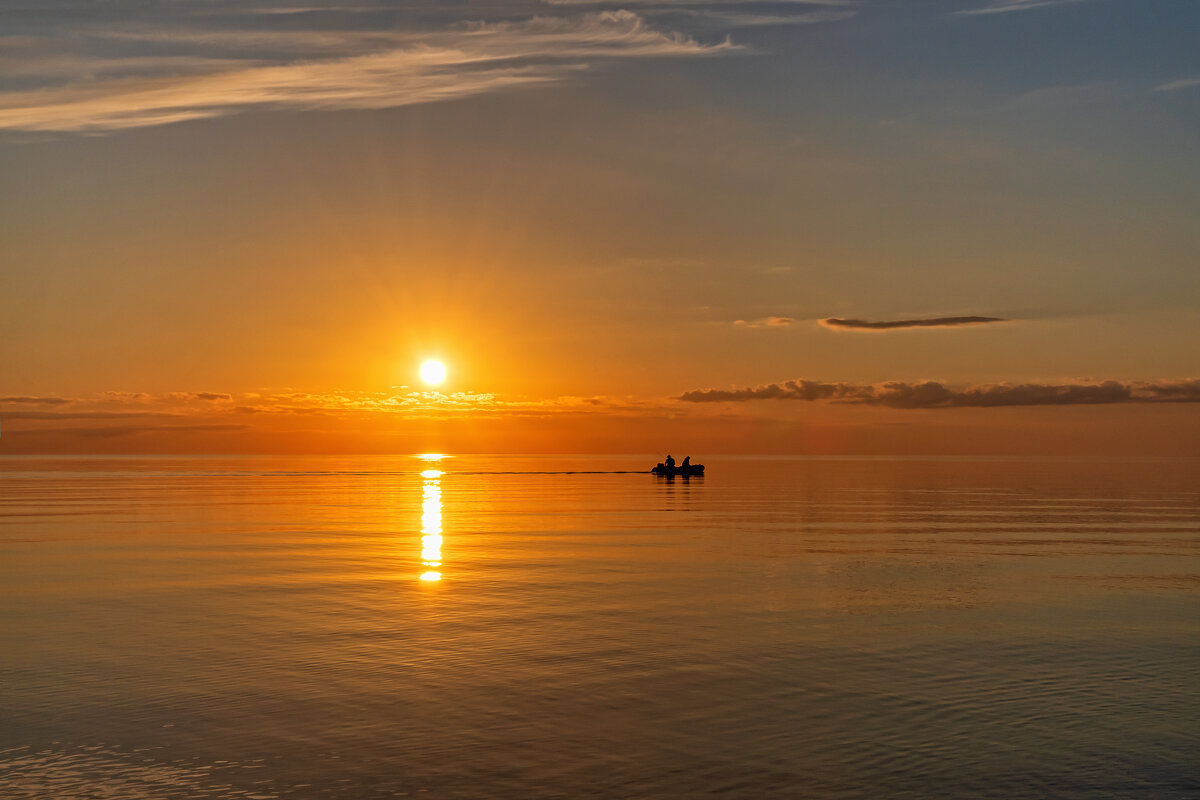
[{"x": 431, "y": 524}]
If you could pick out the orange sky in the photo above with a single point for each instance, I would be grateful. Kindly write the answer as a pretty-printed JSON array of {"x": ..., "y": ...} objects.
[{"x": 624, "y": 203}]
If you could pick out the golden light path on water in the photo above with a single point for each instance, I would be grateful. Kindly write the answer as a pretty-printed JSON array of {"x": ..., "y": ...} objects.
[{"x": 431, "y": 520}]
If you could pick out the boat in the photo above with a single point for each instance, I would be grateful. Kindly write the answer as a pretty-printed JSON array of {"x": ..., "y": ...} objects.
[{"x": 690, "y": 471}]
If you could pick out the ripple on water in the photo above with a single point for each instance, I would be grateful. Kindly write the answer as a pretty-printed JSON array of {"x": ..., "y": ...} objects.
[
  {"x": 98, "y": 771},
  {"x": 254, "y": 629}
]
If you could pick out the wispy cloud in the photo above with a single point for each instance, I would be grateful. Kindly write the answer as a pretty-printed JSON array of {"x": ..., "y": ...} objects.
[
  {"x": 1006, "y": 6},
  {"x": 55, "y": 416},
  {"x": 836, "y": 323},
  {"x": 169, "y": 421},
  {"x": 765, "y": 322},
  {"x": 116, "y": 431},
  {"x": 463, "y": 61},
  {"x": 744, "y": 19},
  {"x": 117, "y": 406},
  {"x": 47, "y": 401},
  {"x": 171, "y": 409},
  {"x": 731, "y": 13},
  {"x": 285, "y": 420},
  {"x": 204, "y": 396},
  {"x": 933, "y": 394},
  {"x": 1174, "y": 86},
  {"x": 727, "y": 3}
]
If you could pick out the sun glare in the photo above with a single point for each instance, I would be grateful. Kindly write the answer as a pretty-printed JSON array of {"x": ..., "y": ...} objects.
[
  {"x": 431, "y": 525},
  {"x": 433, "y": 372}
]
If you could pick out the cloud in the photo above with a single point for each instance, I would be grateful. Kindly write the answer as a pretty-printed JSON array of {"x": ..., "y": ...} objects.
[
  {"x": 765, "y": 322},
  {"x": 836, "y": 323},
  {"x": 285, "y": 420},
  {"x": 49, "y": 401},
  {"x": 791, "y": 390},
  {"x": 57, "y": 415},
  {"x": 126, "y": 397},
  {"x": 731, "y": 13},
  {"x": 1174, "y": 86},
  {"x": 1173, "y": 391},
  {"x": 208, "y": 396},
  {"x": 933, "y": 394},
  {"x": 463, "y": 61},
  {"x": 111, "y": 408},
  {"x": 670, "y": 3},
  {"x": 1005, "y": 6},
  {"x": 739, "y": 19},
  {"x": 113, "y": 431}
]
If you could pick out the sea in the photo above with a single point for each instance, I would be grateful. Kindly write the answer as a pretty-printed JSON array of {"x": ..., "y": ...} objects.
[{"x": 467, "y": 626}]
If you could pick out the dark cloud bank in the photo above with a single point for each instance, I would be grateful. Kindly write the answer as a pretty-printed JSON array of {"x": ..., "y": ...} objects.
[
  {"x": 114, "y": 431},
  {"x": 48, "y": 401},
  {"x": 936, "y": 322},
  {"x": 932, "y": 394}
]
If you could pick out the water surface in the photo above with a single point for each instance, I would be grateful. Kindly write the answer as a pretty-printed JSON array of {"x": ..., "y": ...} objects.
[{"x": 550, "y": 627}]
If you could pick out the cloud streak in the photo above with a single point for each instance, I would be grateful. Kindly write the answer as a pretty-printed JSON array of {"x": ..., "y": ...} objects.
[
  {"x": 114, "y": 407},
  {"x": 27, "y": 399},
  {"x": 671, "y": 3},
  {"x": 400, "y": 70},
  {"x": 285, "y": 420},
  {"x": 116, "y": 431},
  {"x": 766, "y": 322},
  {"x": 1007, "y": 6},
  {"x": 836, "y": 323},
  {"x": 933, "y": 394},
  {"x": 735, "y": 19},
  {"x": 1177, "y": 85}
]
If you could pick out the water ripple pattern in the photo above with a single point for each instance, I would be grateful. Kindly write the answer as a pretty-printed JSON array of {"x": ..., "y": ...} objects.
[{"x": 550, "y": 627}]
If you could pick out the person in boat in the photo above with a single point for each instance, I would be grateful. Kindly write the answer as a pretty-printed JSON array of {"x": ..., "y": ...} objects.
[
  {"x": 670, "y": 462},
  {"x": 687, "y": 462}
]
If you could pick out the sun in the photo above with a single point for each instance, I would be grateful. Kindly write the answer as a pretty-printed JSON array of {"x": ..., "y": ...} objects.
[{"x": 433, "y": 372}]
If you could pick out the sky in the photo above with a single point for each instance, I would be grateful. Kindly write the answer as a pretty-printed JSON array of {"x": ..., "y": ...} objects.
[{"x": 801, "y": 226}]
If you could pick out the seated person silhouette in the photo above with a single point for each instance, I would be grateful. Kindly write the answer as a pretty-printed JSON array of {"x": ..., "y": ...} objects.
[
  {"x": 687, "y": 462},
  {"x": 670, "y": 462}
]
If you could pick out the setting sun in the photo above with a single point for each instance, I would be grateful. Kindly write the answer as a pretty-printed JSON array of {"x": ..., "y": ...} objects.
[{"x": 433, "y": 371}]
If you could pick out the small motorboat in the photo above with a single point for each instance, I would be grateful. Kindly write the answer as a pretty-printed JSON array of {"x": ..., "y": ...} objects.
[{"x": 691, "y": 470}]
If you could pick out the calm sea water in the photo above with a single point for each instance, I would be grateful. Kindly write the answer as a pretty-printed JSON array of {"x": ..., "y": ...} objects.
[{"x": 555, "y": 628}]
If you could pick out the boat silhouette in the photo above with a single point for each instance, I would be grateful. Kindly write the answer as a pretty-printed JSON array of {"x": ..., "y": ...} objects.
[{"x": 691, "y": 470}]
